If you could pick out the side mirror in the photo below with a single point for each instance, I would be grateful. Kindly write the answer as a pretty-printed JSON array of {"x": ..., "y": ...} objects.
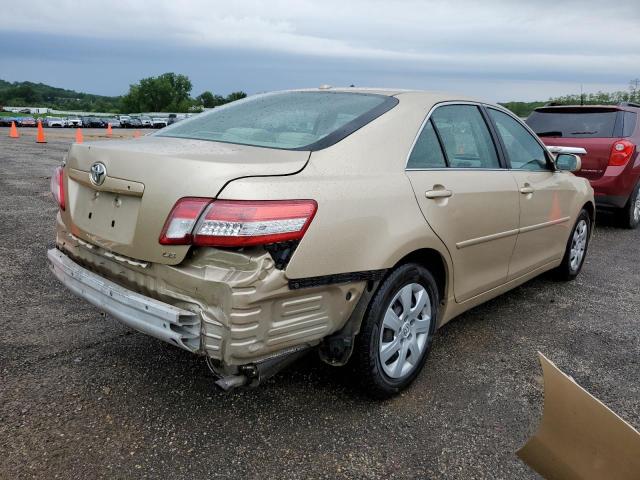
[{"x": 568, "y": 162}]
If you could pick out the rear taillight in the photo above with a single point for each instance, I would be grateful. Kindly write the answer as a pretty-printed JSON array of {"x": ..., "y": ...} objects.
[
  {"x": 231, "y": 223},
  {"x": 179, "y": 225},
  {"x": 236, "y": 223},
  {"x": 621, "y": 152},
  {"x": 57, "y": 187}
]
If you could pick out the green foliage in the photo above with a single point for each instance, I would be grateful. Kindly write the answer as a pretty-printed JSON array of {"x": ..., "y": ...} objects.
[
  {"x": 524, "y": 109},
  {"x": 233, "y": 96},
  {"x": 600, "y": 98},
  {"x": 24, "y": 94},
  {"x": 209, "y": 100},
  {"x": 166, "y": 92}
]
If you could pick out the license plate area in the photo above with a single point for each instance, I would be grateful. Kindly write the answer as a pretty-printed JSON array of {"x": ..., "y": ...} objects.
[{"x": 110, "y": 216}]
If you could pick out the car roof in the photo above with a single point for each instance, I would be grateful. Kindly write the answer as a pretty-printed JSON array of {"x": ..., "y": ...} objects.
[{"x": 427, "y": 95}]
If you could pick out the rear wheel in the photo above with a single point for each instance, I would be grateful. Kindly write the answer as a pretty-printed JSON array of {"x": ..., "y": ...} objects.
[
  {"x": 576, "y": 250},
  {"x": 630, "y": 214},
  {"x": 397, "y": 330}
]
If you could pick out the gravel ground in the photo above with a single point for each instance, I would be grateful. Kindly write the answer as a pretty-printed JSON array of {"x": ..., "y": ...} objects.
[{"x": 82, "y": 396}]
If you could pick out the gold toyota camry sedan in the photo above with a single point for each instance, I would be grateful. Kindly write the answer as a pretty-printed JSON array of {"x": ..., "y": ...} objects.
[{"x": 350, "y": 221}]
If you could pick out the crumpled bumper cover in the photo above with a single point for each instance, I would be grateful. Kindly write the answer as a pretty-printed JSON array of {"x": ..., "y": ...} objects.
[{"x": 166, "y": 322}]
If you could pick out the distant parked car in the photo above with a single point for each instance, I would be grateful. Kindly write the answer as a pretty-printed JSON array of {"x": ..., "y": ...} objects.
[
  {"x": 159, "y": 122},
  {"x": 135, "y": 122},
  {"x": 114, "y": 122},
  {"x": 92, "y": 122},
  {"x": 124, "y": 120},
  {"x": 74, "y": 122},
  {"x": 147, "y": 122},
  {"x": 611, "y": 135},
  {"x": 54, "y": 122},
  {"x": 6, "y": 121},
  {"x": 26, "y": 122}
]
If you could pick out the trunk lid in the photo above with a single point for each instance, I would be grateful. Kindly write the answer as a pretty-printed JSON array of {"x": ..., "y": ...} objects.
[
  {"x": 595, "y": 162},
  {"x": 145, "y": 177}
]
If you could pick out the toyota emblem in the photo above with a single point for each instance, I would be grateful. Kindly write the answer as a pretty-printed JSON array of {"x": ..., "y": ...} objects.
[{"x": 98, "y": 173}]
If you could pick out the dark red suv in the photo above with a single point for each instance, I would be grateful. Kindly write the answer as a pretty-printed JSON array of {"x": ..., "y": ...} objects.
[{"x": 611, "y": 135}]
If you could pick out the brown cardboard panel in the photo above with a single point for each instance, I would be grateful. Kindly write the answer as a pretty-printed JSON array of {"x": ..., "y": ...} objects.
[{"x": 579, "y": 437}]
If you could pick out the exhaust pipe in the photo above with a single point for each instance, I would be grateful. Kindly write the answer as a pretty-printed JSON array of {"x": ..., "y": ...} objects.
[{"x": 251, "y": 375}]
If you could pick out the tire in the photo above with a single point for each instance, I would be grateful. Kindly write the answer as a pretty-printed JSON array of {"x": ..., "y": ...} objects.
[
  {"x": 388, "y": 331},
  {"x": 576, "y": 250},
  {"x": 630, "y": 214}
]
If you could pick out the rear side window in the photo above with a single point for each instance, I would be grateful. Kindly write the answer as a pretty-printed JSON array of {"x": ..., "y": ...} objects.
[
  {"x": 579, "y": 122},
  {"x": 426, "y": 152},
  {"x": 523, "y": 150},
  {"x": 465, "y": 137},
  {"x": 629, "y": 124},
  {"x": 287, "y": 120}
]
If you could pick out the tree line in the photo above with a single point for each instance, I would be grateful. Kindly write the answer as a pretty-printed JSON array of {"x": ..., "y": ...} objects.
[
  {"x": 168, "y": 92},
  {"x": 632, "y": 95},
  {"x": 171, "y": 92}
]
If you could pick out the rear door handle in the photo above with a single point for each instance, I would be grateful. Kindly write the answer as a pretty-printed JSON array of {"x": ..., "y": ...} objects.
[
  {"x": 438, "y": 193},
  {"x": 527, "y": 190}
]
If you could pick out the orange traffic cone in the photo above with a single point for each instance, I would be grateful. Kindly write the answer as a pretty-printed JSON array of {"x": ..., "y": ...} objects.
[
  {"x": 79, "y": 138},
  {"x": 13, "y": 131},
  {"x": 136, "y": 134},
  {"x": 109, "y": 132},
  {"x": 40, "y": 137}
]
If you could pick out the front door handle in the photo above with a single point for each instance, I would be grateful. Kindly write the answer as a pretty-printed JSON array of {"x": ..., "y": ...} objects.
[
  {"x": 438, "y": 193},
  {"x": 526, "y": 190}
]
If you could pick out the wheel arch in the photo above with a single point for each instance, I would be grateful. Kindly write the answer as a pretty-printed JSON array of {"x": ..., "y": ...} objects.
[
  {"x": 336, "y": 349},
  {"x": 591, "y": 210},
  {"x": 435, "y": 262}
]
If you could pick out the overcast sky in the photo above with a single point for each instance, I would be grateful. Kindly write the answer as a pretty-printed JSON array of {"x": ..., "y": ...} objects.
[{"x": 492, "y": 49}]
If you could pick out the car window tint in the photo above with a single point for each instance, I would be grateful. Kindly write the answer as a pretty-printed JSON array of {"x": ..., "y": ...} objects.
[
  {"x": 629, "y": 124},
  {"x": 465, "y": 136},
  {"x": 426, "y": 152},
  {"x": 523, "y": 150}
]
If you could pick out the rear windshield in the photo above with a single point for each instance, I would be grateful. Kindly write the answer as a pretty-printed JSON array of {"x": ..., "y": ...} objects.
[
  {"x": 574, "y": 123},
  {"x": 288, "y": 120}
]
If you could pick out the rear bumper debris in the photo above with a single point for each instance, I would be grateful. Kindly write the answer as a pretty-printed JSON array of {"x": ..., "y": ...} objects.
[
  {"x": 579, "y": 437},
  {"x": 158, "y": 319}
]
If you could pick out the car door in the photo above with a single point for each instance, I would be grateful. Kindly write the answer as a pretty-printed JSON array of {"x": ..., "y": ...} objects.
[
  {"x": 467, "y": 197},
  {"x": 545, "y": 196}
]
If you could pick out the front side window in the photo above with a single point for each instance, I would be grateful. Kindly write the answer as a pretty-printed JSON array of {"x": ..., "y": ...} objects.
[
  {"x": 465, "y": 137},
  {"x": 287, "y": 120},
  {"x": 522, "y": 149},
  {"x": 426, "y": 152}
]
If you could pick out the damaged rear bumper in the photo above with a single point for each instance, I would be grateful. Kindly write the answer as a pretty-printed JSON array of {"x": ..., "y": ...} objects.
[
  {"x": 158, "y": 319},
  {"x": 234, "y": 307}
]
